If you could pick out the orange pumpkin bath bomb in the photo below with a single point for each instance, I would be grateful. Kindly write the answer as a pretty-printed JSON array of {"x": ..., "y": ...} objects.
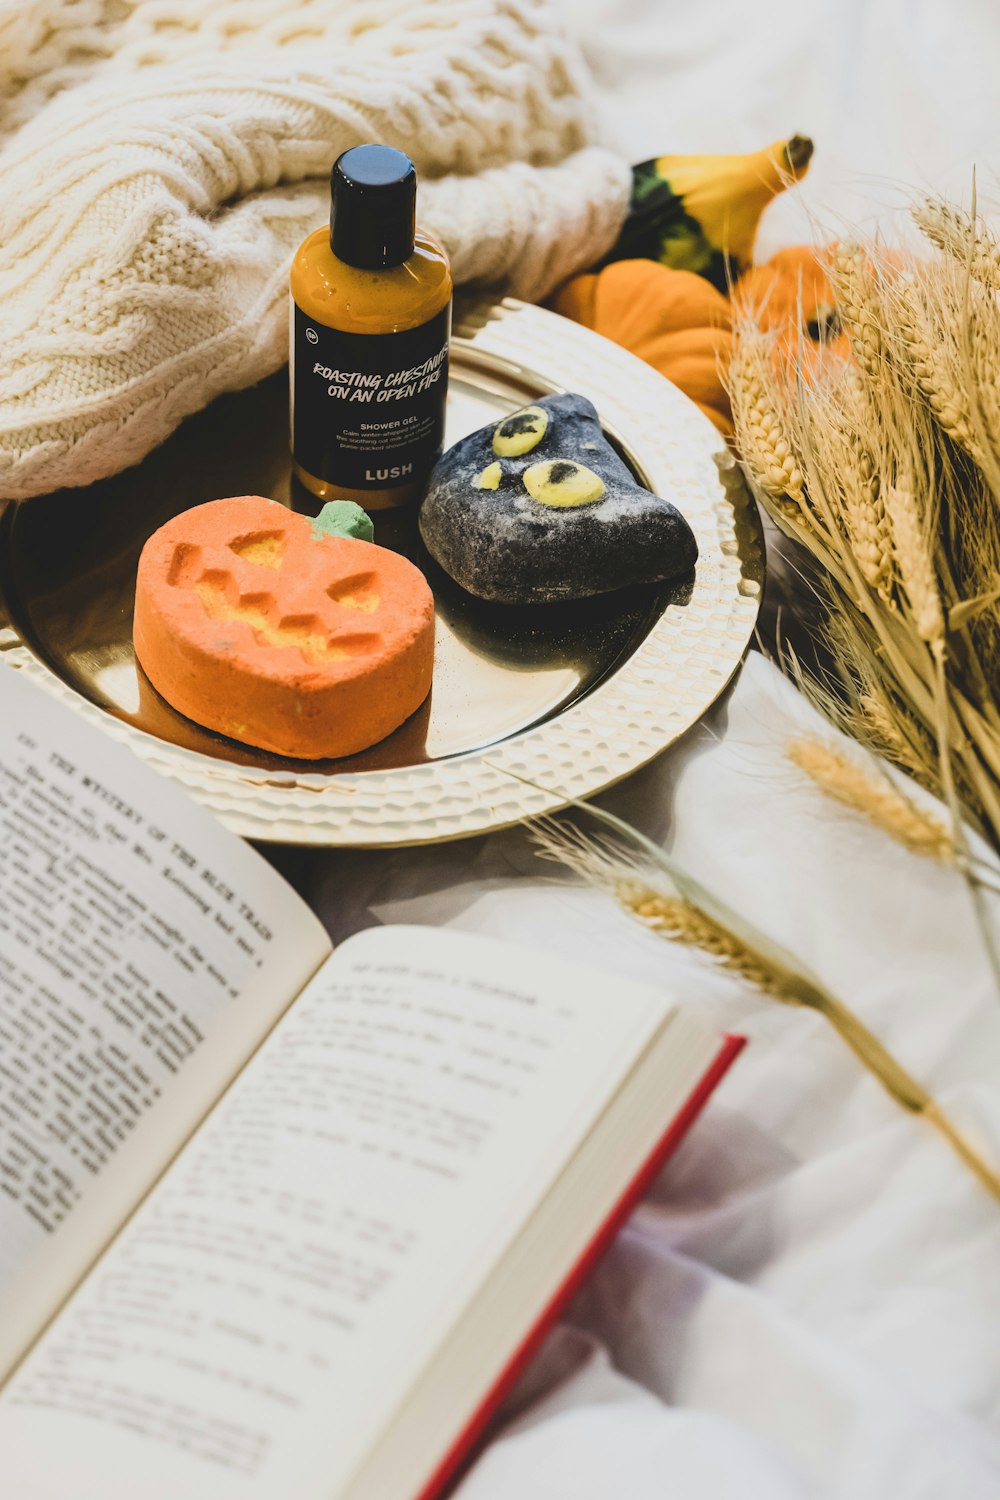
[{"x": 282, "y": 631}]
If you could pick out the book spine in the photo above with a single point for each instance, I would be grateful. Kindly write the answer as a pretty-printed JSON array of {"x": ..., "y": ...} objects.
[{"x": 467, "y": 1445}]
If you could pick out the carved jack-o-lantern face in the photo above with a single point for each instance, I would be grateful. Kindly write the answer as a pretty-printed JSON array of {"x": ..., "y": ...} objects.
[{"x": 257, "y": 623}]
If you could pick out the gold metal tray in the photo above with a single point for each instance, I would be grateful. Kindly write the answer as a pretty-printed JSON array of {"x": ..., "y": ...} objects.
[{"x": 572, "y": 697}]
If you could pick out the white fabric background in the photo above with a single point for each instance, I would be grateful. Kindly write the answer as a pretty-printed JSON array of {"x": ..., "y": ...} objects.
[
  {"x": 807, "y": 1304},
  {"x": 897, "y": 94}
]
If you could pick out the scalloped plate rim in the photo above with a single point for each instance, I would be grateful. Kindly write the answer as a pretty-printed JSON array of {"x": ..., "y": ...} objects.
[{"x": 281, "y": 806}]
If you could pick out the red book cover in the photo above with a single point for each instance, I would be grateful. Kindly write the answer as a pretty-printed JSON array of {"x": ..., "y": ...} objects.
[{"x": 467, "y": 1444}]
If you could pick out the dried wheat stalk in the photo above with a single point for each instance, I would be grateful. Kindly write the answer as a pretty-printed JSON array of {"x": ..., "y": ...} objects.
[
  {"x": 649, "y": 886},
  {"x": 858, "y": 703},
  {"x": 898, "y": 497},
  {"x": 761, "y": 428},
  {"x": 852, "y": 469},
  {"x": 914, "y": 563},
  {"x": 842, "y": 778},
  {"x": 857, "y": 304},
  {"x": 899, "y": 502},
  {"x": 956, "y": 232},
  {"x": 679, "y": 920},
  {"x": 867, "y": 522},
  {"x": 892, "y": 732},
  {"x": 926, "y": 353}
]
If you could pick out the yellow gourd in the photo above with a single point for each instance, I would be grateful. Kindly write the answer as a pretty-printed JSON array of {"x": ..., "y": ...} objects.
[
  {"x": 726, "y": 195},
  {"x": 700, "y": 213}
]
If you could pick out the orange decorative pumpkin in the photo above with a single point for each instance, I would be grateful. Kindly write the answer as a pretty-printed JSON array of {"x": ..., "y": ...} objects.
[
  {"x": 674, "y": 320},
  {"x": 276, "y": 630},
  {"x": 794, "y": 280}
]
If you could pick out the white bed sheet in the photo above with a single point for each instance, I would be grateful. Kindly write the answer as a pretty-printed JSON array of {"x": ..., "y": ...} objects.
[{"x": 808, "y": 1304}]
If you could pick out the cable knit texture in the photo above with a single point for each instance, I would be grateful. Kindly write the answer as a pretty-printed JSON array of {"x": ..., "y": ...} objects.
[{"x": 160, "y": 160}]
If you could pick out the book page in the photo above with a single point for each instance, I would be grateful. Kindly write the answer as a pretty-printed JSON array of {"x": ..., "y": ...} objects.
[
  {"x": 276, "y": 1297},
  {"x": 144, "y": 951}
]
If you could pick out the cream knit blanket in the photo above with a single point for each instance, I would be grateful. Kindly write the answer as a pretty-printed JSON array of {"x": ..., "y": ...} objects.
[{"x": 160, "y": 160}]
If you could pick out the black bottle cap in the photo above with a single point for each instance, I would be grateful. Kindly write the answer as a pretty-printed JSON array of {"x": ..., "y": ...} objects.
[{"x": 372, "y": 206}]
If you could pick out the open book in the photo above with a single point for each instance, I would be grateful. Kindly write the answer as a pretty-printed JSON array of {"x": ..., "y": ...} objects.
[{"x": 274, "y": 1222}]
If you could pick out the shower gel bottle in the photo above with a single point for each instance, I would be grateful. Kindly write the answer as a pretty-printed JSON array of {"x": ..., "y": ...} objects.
[{"x": 370, "y": 323}]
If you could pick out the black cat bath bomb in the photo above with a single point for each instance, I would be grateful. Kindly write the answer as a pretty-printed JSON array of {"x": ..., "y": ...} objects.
[{"x": 539, "y": 507}]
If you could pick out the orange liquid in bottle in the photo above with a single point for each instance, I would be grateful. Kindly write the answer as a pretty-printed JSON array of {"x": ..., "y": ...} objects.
[{"x": 330, "y": 293}]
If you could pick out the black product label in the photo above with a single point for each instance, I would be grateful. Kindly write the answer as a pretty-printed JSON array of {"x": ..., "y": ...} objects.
[{"x": 368, "y": 409}]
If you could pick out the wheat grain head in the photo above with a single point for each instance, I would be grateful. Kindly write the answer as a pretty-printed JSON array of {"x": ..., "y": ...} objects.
[
  {"x": 855, "y": 289},
  {"x": 842, "y": 778},
  {"x": 958, "y": 234},
  {"x": 760, "y": 417}
]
